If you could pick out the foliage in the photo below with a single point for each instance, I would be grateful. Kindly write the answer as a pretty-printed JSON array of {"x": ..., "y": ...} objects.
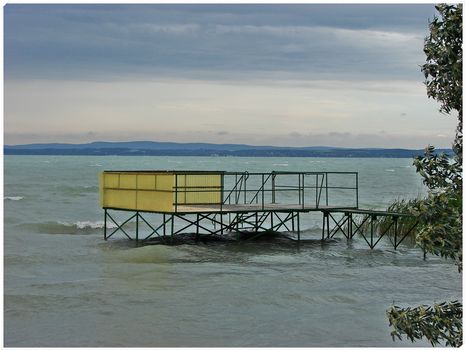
[
  {"x": 443, "y": 69},
  {"x": 440, "y": 213},
  {"x": 438, "y": 323},
  {"x": 439, "y": 171},
  {"x": 405, "y": 224}
]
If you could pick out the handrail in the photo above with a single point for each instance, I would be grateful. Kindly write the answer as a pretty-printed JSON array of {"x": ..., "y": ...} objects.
[
  {"x": 262, "y": 186},
  {"x": 243, "y": 177},
  {"x": 239, "y": 192}
]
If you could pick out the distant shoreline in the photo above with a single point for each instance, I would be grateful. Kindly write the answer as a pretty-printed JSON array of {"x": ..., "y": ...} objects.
[{"x": 149, "y": 148}]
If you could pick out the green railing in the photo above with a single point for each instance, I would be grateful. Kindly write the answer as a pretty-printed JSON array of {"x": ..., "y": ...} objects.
[{"x": 300, "y": 189}]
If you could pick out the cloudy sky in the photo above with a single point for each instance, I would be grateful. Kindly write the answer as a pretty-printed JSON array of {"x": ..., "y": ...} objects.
[{"x": 292, "y": 75}]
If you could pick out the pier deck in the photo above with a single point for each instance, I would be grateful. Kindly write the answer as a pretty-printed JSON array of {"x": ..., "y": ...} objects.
[
  {"x": 229, "y": 208},
  {"x": 217, "y": 202}
]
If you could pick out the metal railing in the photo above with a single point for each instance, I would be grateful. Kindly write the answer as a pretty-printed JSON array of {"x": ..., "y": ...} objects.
[{"x": 303, "y": 189}]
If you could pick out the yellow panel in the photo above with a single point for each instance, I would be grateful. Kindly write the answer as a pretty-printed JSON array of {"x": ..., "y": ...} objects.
[
  {"x": 111, "y": 180},
  {"x": 203, "y": 180},
  {"x": 199, "y": 189},
  {"x": 146, "y": 181},
  {"x": 165, "y": 182},
  {"x": 156, "y": 201},
  {"x": 128, "y": 181},
  {"x": 125, "y": 199},
  {"x": 151, "y": 191},
  {"x": 180, "y": 179},
  {"x": 210, "y": 197}
]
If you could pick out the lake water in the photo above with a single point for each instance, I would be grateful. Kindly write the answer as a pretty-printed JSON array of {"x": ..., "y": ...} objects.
[{"x": 65, "y": 286}]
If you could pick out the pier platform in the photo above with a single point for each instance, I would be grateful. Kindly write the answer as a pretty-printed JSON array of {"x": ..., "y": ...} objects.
[{"x": 218, "y": 202}]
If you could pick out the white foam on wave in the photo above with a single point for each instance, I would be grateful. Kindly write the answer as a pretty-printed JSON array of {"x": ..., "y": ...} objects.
[
  {"x": 13, "y": 198},
  {"x": 280, "y": 164},
  {"x": 88, "y": 224},
  {"x": 389, "y": 170}
]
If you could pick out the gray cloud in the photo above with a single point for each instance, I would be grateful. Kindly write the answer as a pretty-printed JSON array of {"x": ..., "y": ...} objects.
[{"x": 326, "y": 41}]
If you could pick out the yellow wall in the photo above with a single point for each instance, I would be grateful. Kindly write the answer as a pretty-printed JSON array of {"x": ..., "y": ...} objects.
[
  {"x": 199, "y": 188},
  {"x": 152, "y": 191}
]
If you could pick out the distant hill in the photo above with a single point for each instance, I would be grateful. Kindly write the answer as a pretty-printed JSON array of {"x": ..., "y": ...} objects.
[{"x": 152, "y": 148}]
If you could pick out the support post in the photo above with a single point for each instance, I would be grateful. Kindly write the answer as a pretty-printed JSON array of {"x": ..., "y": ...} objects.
[
  {"x": 221, "y": 223},
  {"x": 395, "y": 219},
  {"x": 105, "y": 224},
  {"x": 323, "y": 226},
  {"x": 172, "y": 225},
  {"x": 350, "y": 229},
  {"x": 197, "y": 227},
  {"x": 164, "y": 226},
  {"x": 372, "y": 230},
  {"x": 137, "y": 226},
  {"x": 328, "y": 225},
  {"x": 299, "y": 229}
]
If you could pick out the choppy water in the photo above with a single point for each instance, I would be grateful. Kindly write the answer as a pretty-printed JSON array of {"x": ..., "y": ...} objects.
[{"x": 65, "y": 286}]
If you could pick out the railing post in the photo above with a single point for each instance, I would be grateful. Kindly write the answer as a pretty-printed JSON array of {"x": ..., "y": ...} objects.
[
  {"x": 273, "y": 187},
  {"x": 263, "y": 188},
  {"x": 176, "y": 192},
  {"x": 326, "y": 188},
  {"x": 245, "y": 189},
  {"x": 357, "y": 189},
  {"x": 222, "y": 186},
  {"x": 303, "y": 191},
  {"x": 299, "y": 188},
  {"x": 317, "y": 186}
]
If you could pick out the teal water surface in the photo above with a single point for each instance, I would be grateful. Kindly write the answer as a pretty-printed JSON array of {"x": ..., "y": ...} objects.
[{"x": 65, "y": 286}]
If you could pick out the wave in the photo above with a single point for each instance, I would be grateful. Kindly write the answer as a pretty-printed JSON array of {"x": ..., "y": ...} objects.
[
  {"x": 280, "y": 164},
  {"x": 389, "y": 170},
  {"x": 77, "y": 189},
  {"x": 13, "y": 198},
  {"x": 78, "y": 227}
]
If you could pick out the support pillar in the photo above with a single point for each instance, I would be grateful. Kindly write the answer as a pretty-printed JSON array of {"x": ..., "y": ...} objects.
[
  {"x": 299, "y": 229},
  {"x": 137, "y": 226},
  {"x": 105, "y": 224}
]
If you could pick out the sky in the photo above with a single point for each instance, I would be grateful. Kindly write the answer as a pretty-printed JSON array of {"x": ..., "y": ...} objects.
[{"x": 284, "y": 75}]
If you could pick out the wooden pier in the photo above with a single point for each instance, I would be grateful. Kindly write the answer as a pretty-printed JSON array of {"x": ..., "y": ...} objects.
[{"x": 216, "y": 203}]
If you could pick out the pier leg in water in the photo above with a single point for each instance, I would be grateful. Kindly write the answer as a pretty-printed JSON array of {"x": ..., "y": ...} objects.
[
  {"x": 350, "y": 226},
  {"x": 328, "y": 225},
  {"x": 172, "y": 224},
  {"x": 299, "y": 229},
  {"x": 323, "y": 226},
  {"x": 105, "y": 224},
  {"x": 137, "y": 227},
  {"x": 197, "y": 227}
]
